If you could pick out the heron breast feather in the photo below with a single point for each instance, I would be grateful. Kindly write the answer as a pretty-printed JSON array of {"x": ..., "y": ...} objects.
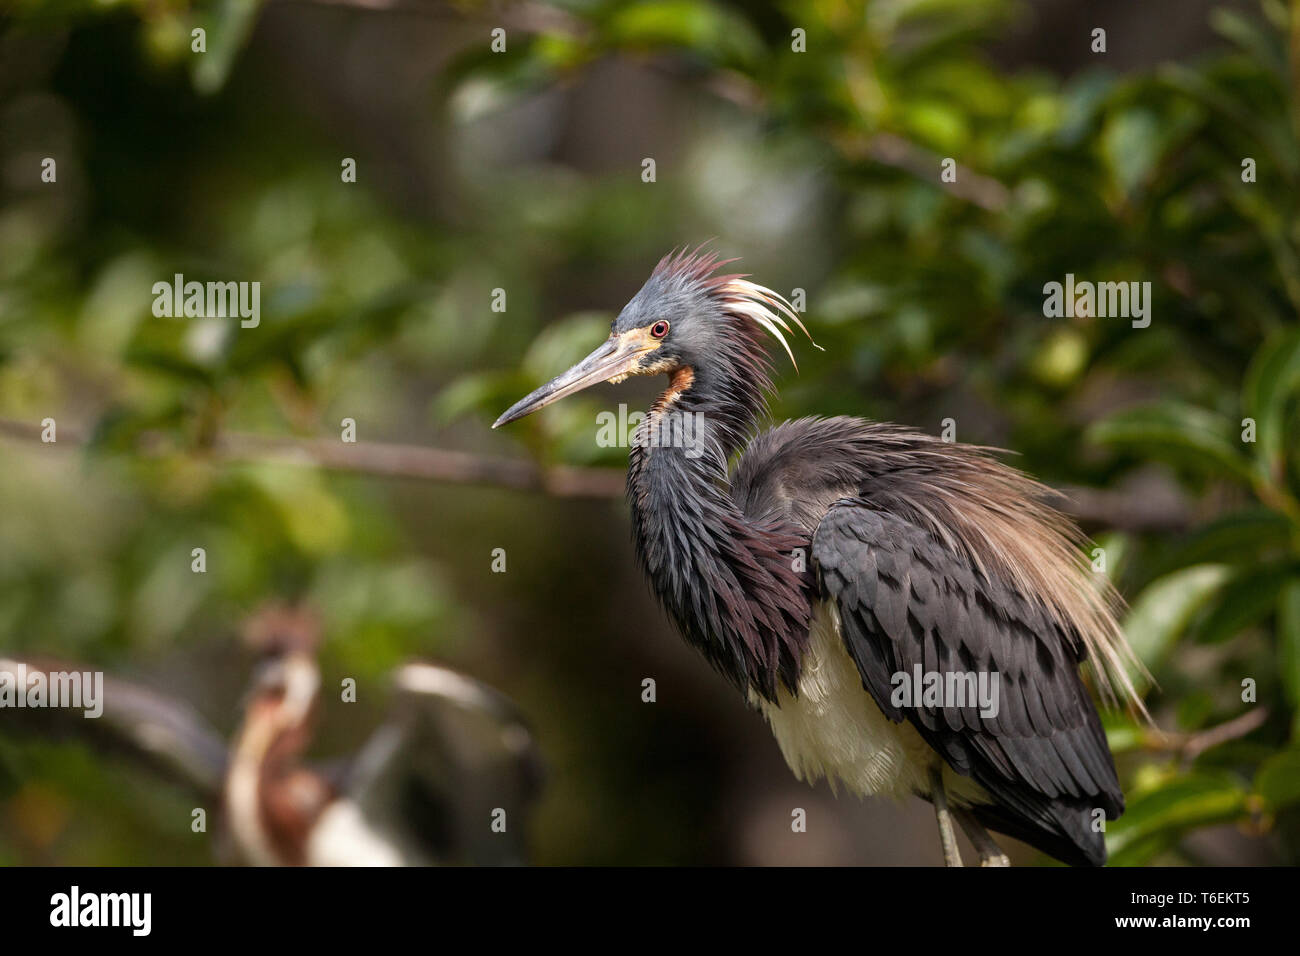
[{"x": 833, "y": 728}]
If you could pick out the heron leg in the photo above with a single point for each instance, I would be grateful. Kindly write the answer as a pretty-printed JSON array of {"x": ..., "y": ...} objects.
[
  {"x": 939, "y": 796},
  {"x": 990, "y": 853}
]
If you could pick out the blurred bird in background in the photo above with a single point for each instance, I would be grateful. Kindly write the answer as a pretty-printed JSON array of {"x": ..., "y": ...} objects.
[
  {"x": 839, "y": 554},
  {"x": 421, "y": 790}
]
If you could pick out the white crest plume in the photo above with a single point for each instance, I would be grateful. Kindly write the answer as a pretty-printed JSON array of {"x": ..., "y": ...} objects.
[{"x": 768, "y": 308}]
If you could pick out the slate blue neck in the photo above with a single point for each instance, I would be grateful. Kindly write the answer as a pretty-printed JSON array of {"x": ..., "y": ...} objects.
[{"x": 728, "y": 583}]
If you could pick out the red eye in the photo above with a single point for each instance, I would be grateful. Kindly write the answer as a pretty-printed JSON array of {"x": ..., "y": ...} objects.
[{"x": 659, "y": 329}]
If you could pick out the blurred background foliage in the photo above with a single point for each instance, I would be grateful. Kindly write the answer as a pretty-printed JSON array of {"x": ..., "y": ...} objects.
[{"x": 521, "y": 170}]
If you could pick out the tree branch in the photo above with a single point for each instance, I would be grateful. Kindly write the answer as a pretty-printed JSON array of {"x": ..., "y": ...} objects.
[
  {"x": 1124, "y": 509},
  {"x": 380, "y": 459},
  {"x": 889, "y": 149},
  {"x": 1148, "y": 505},
  {"x": 1188, "y": 746}
]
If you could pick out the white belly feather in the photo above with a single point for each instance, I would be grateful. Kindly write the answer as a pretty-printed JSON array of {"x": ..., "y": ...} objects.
[{"x": 833, "y": 729}]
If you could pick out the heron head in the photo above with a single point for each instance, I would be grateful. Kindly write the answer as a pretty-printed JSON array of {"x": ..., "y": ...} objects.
[
  {"x": 684, "y": 317},
  {"x": 287, "y": 677}
]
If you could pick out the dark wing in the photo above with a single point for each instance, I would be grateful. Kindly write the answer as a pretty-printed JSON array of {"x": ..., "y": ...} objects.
[
  {"x": 452, "y": 751},
  {"x": 155, "y": 729},
  {"x": 905, "y": 600}
]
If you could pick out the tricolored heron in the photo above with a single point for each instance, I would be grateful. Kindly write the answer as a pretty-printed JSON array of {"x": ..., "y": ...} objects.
[
  {"x": 840, "y": 558},
  {"x": 422, "y": 788}
]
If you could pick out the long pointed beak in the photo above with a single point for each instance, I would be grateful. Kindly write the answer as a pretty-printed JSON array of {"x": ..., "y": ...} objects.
[{"x": 615, "y": 357}]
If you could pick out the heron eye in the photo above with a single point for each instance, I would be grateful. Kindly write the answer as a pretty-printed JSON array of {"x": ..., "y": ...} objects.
[{"x": 659, "y": 329}]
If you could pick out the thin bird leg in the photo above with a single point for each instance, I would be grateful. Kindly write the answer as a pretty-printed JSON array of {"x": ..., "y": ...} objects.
[
  {"x": 990, "y": 853},
  {"x": 951, "y": 856}
]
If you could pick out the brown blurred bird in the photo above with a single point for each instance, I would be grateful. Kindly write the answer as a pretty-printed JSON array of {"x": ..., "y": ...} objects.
[
  {"x": 864, "y": 584},
  {"x": 423, "y": 787}
]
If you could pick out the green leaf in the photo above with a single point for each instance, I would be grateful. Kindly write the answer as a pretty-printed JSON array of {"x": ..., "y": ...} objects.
[
  {"x": 1123, "y": 733},
  {"x": 1131, "y": 144},
  {"x": 1288, "y": 638},
  {"x": 564, "y": 343},
  {"x": 227, "y": 27},
  {"x": 475, "y": 392},
  {"x": 702, "y": 27},
  {"x": 1232, "y": 106},
  {"x": 1263, "y": 46},
  {"x": 1179, "y": 433},
  {"x": 1278, "y": 780},
  {"x": 1156, "y": 819},
  {"x": 314, "y": 518},
  {"x": 1272, "y": 379},
  {"x": 1083, "y": 102},
  {"x": 1195, "y": 708},
  {"x": 1243, "y": 602},
  {"x": 1240, "y": 537},
  {"x": 1118, "y": 547},
  {"x": 1161, "y": 613}
]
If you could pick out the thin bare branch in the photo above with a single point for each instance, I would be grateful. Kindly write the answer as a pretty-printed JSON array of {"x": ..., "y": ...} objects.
[
  {"x": 1188, "y": 746},
  {"x": 891, "y": 150},
  {"x": 1148, "y": 506},
  {"x": 380, "y": 459},
  {"x": 1126, "y": 510}
]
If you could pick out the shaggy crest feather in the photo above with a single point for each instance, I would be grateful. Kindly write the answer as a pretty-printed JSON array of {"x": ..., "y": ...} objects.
[{"x": 739, "y": 296}]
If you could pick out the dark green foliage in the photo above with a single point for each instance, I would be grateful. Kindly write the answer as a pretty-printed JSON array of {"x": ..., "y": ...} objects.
[{"x": 822, "y": 169}]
